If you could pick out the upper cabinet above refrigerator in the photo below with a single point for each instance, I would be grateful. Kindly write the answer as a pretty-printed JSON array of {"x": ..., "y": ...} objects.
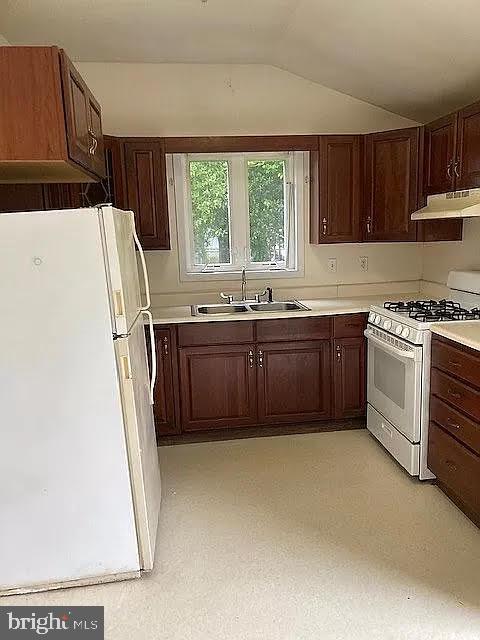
[{"x": 50, "y": 123}]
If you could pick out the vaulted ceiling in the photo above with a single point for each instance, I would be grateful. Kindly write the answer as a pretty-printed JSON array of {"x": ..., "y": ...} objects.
[{"x": 417, "y": 58}]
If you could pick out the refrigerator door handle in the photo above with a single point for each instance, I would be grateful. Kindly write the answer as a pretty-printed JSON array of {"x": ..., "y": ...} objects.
[
  {"x": 153, "y": 377},
  {"x": 144, "y": 266}
]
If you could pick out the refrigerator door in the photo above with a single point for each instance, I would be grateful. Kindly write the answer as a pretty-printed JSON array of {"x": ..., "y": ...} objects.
[
  {"x": 141, "y": 441},
  {"x": 65, "y": 492},
  {"x": 120, "y": 246}
]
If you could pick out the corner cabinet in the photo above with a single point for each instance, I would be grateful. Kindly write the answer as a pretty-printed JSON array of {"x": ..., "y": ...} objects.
[
  {"x": 164, "y": 408},
  {"x": 146, "y": 190},
  {"x": 391, "y": 174},
  {"x": 336, "y": 190},
  {"x": 50, "y": 123}
]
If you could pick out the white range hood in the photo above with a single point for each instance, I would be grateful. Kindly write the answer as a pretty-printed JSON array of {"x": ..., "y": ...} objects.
[{"x": 457, "y": 204}]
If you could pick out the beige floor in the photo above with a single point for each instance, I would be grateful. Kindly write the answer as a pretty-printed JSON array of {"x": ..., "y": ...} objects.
[{"x": 318, "y": 536}]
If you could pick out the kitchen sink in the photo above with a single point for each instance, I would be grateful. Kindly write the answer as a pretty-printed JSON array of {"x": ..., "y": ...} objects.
[
  {"x": 218, "y": 309},
  {"x": 291, "y": 305},
  {"x": 247, "y": 307}
]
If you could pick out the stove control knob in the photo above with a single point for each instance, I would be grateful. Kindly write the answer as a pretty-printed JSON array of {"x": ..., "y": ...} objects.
[
  {"x": 405, "y": 332},
  {"x": 387, "y": 324},
  {"x": 398, "y": 329},
  {"x": 377, "y": 319},
  {"x": 371, "y": 316}
]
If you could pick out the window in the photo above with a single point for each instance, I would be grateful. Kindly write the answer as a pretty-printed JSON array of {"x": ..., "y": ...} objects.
[{"x": 239, "y": 209}]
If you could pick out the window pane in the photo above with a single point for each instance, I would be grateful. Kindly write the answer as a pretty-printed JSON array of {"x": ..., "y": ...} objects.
[
  {"x": 266, "y": 203},
  {"x": 210, "y": 211}
]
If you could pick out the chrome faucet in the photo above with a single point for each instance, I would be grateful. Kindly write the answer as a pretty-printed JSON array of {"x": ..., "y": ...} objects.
[{"x": 244, "y": 284}]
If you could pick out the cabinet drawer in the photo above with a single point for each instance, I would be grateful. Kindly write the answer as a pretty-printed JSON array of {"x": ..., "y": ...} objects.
[
  {"x": 192, "y": 335},
  {"x": 294, "y": 329},
  {"x": 350, "y": 325},
  {"x": 454, "y": 360},
  {"x": 456, "y": 393},
  {"x": 455, "y": 467},
  {"x": 461, "y": 427}
]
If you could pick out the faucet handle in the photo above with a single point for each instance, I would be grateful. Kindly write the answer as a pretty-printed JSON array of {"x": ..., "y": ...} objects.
[{"x": 226, "y": 296}]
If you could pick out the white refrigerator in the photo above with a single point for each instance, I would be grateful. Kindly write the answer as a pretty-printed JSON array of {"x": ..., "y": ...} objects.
[{"x": 79, "y": 475}]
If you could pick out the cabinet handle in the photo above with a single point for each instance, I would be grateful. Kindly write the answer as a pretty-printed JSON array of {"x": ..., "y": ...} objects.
[
  {"x": 93, "y": 147},
  {"x": 369, "y": 225},
  {"x": 324, "y": 226},
  {"x": 449, "y": 169},
  {"x": 250, "y": 359},
  {"x": 455, "y": 168},
  {"x": 452, "y": 363},
  {"x": 453, "y": 424},
  {"x": 457, "y": 396},
  {"x": 165, "y": 346},
  {"x": 260, "y": 359},
  {"x": 339, "y": 353}
]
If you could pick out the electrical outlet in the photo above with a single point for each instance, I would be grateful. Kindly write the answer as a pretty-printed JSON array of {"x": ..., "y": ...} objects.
[
  {"x": 364, "y": 263},
  {"x": 332, "y": 265}
]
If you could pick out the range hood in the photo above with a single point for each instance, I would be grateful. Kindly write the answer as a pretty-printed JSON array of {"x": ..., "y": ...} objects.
[{"x": 456, "y": 204}]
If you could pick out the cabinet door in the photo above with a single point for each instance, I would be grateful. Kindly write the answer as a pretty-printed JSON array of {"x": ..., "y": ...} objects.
[
  {"x": 97, "y": 150},
  {"x": 76, "y": 99},
  {"x": 294, "y": 382},
  {"x": 164, "y": 407},
  {"x": 110, "y": 189},
  {"x": 440, "y": 137},
  {"x": 391, "y": 171},
  {"x": 217, "y": 387},
  {"x": 21, "y": 197},
  {"x": 467, "y": 169},
  {"x": 339, "y": 189},
  {"x": 349, "y": 373},
  {"x": 147, "y": 191}
]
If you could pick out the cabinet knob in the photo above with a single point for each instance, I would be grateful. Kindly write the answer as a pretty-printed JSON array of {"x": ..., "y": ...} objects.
[
  {"x": 250, "y": 359},
  {"x": 260, "y": 359},
  {"x": 369, "y": 225},
  {"x": 324, "y": 226},
  {"x": 339, "y": 352},
  {"x": 165, "y": 346}
]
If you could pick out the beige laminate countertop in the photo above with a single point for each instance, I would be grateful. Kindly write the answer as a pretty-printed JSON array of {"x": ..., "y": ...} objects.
[
  {"x": 322, "y": 307},
  {"x": 467, "y": 333}
]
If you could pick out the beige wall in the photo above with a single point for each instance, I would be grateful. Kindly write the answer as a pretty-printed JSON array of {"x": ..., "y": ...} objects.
[
  {"x": 186, "y": 99},
  {"x": 219, "y": 99},
  {"x": 3, "y": 41},
  {"x": 440, "y": 258}
]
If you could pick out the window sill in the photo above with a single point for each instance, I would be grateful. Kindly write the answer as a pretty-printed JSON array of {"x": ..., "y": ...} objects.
[{"x": 234, "y": 276}]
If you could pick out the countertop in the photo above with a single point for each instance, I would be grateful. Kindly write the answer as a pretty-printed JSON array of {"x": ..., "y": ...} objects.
[
  {"x": 463, "y": 332},
  {"x": 322, "y": 307}
]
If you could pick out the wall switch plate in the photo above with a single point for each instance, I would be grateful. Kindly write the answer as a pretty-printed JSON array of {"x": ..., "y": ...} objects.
[
  {"x": 364, "y": 263},
  {"x": 332, "y": 265}
]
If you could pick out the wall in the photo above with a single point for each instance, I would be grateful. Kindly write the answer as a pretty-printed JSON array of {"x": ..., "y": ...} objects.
[
  {"x": 214, "y": 99},
  {"x": 440, "y": 258},
  {"x": 186, "y": 99},
  {"x": 3, "y": 41}
]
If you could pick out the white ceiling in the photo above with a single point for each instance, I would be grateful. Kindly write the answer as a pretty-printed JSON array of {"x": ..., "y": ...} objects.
[{"x": 417, "y": 58}]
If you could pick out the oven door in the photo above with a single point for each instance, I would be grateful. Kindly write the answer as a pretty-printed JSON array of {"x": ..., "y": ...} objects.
[{"x": 395, "y": 380}]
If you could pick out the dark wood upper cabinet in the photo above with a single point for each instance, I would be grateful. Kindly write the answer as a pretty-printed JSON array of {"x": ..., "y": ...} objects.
[
  {"x": 467, "y": 169},
  {"x": 217, "y": 387},
  {"x": 50, "y": 123},
  {"x": 349, "y": 376},
  {"x": 439, "y": 165},
  {"x": 337, "y": 185},
  {"x": 391, "y": 174},
  {"x": 21, "y": 197},
  {"x": 293, "y": 381},
  {"x": 147, "y": 190}
]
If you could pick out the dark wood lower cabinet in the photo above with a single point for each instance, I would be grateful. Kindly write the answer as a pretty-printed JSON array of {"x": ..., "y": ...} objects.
[
  {"x": 164, "y": 408},
  {"x": 217, "y": 387},
  {"x": 293, "y": 381},
  {"x": 349, "y": 376}
]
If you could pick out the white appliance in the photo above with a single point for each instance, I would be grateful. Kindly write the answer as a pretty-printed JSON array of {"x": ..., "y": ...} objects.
[
  {"x": 455, "y": 204},
  {"x": 399, "y": 357},
  {"x": 79, "y": 475}
]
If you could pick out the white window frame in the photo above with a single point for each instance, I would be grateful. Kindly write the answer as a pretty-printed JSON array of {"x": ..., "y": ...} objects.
[{"x": 297, "y": 183}]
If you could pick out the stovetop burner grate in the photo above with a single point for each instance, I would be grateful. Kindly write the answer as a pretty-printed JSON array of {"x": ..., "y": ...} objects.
[{"x": 433, "y": 310}]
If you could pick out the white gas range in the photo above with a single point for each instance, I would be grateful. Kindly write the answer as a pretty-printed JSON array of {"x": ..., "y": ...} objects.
[{"x": 398, "y": 388}]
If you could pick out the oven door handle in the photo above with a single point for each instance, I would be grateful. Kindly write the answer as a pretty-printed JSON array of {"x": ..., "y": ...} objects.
[{"x": 408, "y": 355}]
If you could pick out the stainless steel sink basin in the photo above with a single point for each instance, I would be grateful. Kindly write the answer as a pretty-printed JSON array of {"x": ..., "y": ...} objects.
[
  {"x": 291, "y": 305},
  {"x": 217, "y": 309},
  {"x": 247, "y": 307}
]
